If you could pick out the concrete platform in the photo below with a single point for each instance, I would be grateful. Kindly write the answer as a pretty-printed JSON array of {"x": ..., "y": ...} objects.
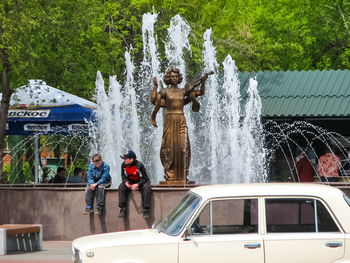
[
  {"x": 53, "y": 251},
  {"x": 60, "y": 210}
]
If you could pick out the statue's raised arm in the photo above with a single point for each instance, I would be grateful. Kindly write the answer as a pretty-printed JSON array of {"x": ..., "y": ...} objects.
[
  {"x": 154, "y": 92},
  {"x": 157, "y": 105},
  {"x": 157, "y": 100},
  {"x": 191, "y": 93}
]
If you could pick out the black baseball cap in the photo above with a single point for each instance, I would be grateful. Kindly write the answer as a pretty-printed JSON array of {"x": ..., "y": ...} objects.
[{"x": 128, "y": 154}]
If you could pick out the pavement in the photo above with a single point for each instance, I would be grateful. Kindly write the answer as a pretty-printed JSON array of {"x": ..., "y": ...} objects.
[{"x": 53, "y": 251}]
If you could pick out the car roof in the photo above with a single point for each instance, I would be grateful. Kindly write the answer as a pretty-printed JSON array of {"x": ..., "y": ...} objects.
[{"x": 266, "y": 189}]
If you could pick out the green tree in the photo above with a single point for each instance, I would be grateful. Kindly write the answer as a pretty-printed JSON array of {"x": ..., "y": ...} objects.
[
  {"x": 65, "y": 42},
  {"x": 17, "y": 22}
]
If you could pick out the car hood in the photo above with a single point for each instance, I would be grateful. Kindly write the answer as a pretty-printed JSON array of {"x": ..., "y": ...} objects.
[{"x": 125, "y": 238}]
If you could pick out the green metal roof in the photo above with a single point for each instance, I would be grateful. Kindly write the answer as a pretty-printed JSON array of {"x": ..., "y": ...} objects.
[{"x": 302, "y": 93}]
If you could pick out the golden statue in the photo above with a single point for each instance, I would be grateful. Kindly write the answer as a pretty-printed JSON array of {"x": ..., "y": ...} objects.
[{"x": 175, "y": 152}]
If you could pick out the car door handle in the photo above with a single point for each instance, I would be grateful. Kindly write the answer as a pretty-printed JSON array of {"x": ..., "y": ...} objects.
[
  {"x": 252, "y": 246},
  {"x": 334, "y": 244}
]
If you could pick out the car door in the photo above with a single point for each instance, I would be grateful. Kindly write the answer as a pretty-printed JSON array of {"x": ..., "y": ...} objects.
[
  {"x": 301, "y": 230},
  {"x": 226, "y": 230}
]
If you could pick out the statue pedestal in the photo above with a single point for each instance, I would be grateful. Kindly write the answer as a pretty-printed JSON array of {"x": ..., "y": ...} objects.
[{"x": 176, "y": 183}]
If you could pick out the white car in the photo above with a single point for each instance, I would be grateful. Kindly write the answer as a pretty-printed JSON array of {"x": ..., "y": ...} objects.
[{"x": 265, "y": 223}]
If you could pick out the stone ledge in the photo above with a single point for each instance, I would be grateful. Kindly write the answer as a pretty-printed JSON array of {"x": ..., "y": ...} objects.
[{"x": 81, "y": 187}]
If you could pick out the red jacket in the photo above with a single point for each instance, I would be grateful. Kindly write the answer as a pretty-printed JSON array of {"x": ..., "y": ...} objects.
[
  {"x": 134, "y": 173},
  {"x": 305, "y": 170}
]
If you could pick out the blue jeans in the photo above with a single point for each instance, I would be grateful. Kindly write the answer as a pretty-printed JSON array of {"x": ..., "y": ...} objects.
[{"x": 100, "y": 195}]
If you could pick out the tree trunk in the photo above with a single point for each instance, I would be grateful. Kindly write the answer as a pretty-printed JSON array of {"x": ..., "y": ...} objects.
[
  {"x": 30, "y": 156},
  {"x": 5, "y": 103}
]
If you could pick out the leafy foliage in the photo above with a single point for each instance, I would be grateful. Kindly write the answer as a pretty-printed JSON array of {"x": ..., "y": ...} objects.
[{"x": 65, "y": 42}]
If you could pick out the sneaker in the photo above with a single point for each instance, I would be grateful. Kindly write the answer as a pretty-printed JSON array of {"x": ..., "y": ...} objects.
[
  {"x": 99, "y": 211},
  {"x": 122, "y": 213},
  {"x": 87, "y": 211},
  {"x": 145, "y": 214}
]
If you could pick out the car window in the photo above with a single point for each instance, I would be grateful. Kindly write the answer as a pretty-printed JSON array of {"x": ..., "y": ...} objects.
[
  {"x": 229, "y": 216},
  {"x": 285, "y": 215},
  {"x": 325, "y": 220}
]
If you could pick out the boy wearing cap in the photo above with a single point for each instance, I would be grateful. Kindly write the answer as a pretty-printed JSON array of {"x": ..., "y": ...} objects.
[
  {"x": 134, "y": 177},
  {"x": 98, "y": 179}
]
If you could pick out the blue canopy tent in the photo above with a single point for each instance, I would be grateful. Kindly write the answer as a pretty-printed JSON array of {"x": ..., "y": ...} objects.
[
  {"x": 38, "y": 109},
  {"x": 64, "y": 119}
]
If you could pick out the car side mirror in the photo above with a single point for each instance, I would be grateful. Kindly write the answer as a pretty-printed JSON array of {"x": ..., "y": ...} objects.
[
  {"x": 154, "y": 225},
  {"x": 187, "y": 234}
]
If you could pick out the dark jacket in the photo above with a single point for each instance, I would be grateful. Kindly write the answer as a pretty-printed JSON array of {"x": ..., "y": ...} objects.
[
  {"x": 141, "y": 177},
  {"x": 57, "y": 180},
  {"x": 75, "y": 179},
  {"x": 98, "y": 175}
]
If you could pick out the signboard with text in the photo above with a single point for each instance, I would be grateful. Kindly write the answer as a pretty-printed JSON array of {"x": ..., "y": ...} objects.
[
  {"x": 28, "y": 113},
  {"x": 36, "y": 127},
  {"x": 65, "y": 119}
]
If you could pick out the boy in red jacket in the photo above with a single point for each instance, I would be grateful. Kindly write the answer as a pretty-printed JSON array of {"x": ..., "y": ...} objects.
[{"x": 134, "y": 177}]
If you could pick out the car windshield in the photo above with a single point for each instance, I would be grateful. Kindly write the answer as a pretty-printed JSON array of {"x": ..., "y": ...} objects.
[{"x": 175, "y": 221}]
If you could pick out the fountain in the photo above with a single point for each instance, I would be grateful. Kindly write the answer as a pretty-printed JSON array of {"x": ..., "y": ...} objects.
[
  {"x": 74, "y": 146},
  {"x": 226, "y": 137},
  {"x": 229, "y": 142},
  {"x": 290, "y": 139}
]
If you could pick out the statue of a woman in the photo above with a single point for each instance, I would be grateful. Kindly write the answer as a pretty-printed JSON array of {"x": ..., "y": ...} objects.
[{"x": 175, "y": 152}]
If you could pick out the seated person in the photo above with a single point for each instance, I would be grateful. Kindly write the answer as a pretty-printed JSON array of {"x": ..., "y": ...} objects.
[
  {"x": 98, "y": 179},
  {"x": 60, "y": 177},
  {"x": 134, "y": 177},
  {"x": 304, "y": 168},
  {"x": 77, "y": 176},
  {"x": 328, "y": 167}
]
